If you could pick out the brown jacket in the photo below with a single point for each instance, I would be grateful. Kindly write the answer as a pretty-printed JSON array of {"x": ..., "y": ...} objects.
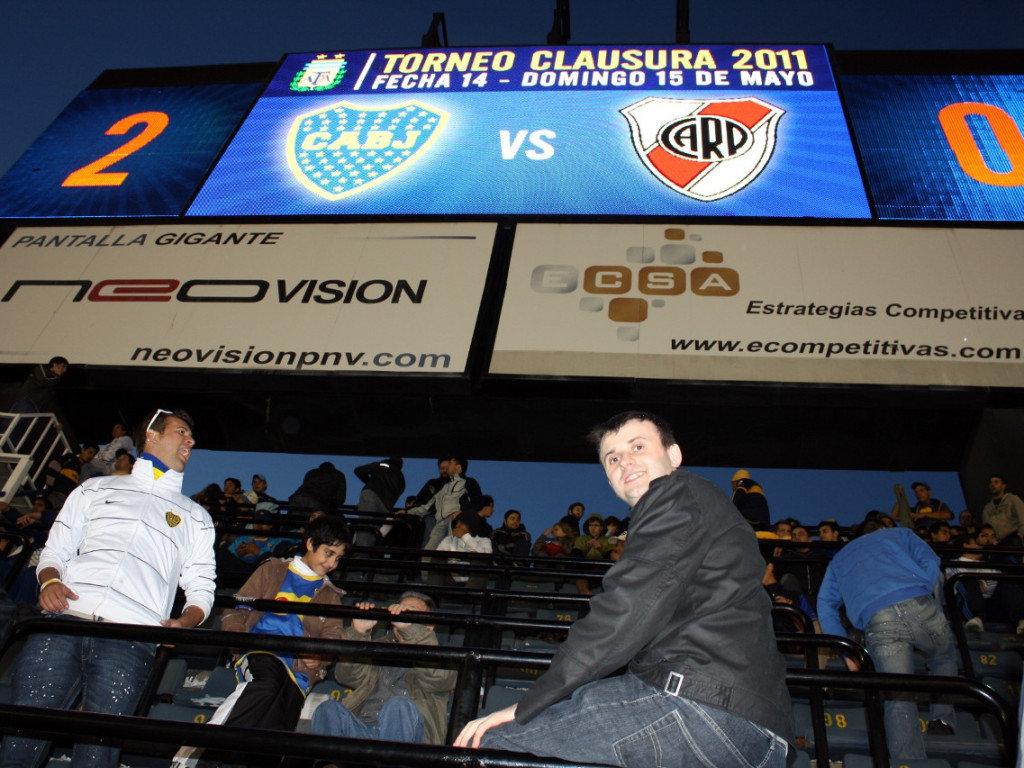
[
  {"x": 429, "y": 687},
  {"x": 264, "y": 584}
]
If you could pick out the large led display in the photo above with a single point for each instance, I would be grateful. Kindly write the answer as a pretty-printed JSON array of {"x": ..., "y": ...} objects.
[
  {"x": 946, "y": 147},
  {"x": 633, "y": 131},
  {"x": 125, "y": 152}
]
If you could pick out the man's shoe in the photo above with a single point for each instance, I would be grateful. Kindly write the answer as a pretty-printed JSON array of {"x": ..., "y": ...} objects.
[
  {"x": 975, "y": 625},
  {"x": 940, "y": 728}
]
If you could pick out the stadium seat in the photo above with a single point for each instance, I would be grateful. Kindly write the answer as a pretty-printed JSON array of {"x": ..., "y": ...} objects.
[
  {"x": 180, "y": 713},
  {"x": 855, "y": 760},
  {"x": 1004, "y": 664},
  {"x": 219, "y": 684},
  {"x": 172, "y": 679},
  {"x": 565, "y": 613},
  {"x": 318, "y": 694},
  {"x": 535, "y": 585}
]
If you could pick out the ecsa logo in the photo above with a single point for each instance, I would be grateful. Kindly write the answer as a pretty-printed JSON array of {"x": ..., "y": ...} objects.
[
  {"x": 613, "y": 288},
  {"x": 345, "y": 148}
]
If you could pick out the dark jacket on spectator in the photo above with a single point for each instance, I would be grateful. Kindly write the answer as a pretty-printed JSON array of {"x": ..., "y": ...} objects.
[{"x": 384, "y": 478}]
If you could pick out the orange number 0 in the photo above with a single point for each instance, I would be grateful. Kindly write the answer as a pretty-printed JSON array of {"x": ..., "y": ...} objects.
[
  {"x": 92, "y": 175},
  {"x": 953, "y": 119}
]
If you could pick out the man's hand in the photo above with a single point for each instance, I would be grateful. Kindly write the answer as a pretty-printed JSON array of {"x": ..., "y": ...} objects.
[
  {"x": 363, "y": 626},
  {"x": 397, "y": 608},
  {"x": 475, "y": 729},
  {"x": 192, "y": 616},
  {"x": 852, "y": 664},
  {"x": 55, "y": 596},
  {"x": 29, "y": 518},
  {"x": 247, "y": 549},
  {"x": 311, "y": 663}
]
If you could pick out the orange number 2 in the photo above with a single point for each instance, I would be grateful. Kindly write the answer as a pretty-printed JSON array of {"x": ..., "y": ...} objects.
[{"x": 92, "y": 175}]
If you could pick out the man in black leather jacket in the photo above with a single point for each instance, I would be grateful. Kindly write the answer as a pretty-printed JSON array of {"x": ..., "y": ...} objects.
[{"x": 684, "y": 610}]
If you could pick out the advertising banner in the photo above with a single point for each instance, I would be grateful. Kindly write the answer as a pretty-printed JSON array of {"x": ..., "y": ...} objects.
[
  {"x": 360, "y": 298},
  {"x": 941, "y": 147},
  {"x": 609, "y": 130},
  {"x": 839, "y": 305}
]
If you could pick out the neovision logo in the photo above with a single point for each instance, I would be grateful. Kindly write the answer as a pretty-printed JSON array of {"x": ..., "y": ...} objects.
[
  {"x": 346, "y": 148},
  {"x": 321, "y": 74},
  {"x": 706, "y": 150},
  {"x": 647, "y": 280}
]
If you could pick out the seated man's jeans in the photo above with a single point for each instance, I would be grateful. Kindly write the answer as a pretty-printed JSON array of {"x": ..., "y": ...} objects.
[
  {"x": 891, "y": 638},
  {"x": 399, "y": 720},
  {"x": 624, "y": 721},
  {"x": 54, "y": 669}
]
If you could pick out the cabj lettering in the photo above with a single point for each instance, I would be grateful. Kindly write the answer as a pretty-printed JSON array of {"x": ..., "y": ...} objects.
[{"x": 322, "y": 140}]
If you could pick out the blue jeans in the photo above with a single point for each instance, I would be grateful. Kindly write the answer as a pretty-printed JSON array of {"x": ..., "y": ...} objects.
[
  {"x": 891, "y": 636},
  {"x": 624, "y": 721},
  {"x": 54, "y": 669},
  {"x": 399, "y": 720}
]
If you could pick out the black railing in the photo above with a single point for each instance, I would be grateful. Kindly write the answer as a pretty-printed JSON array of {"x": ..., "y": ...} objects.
[
  {"x": 874, "y": 682},
  {"x": 1009, "y": 572},
  {"x": 471, "y": 663}
]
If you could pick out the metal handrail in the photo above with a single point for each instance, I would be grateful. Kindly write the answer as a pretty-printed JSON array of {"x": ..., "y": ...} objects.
[
  {"x": 931, "y": 684},
  {"x": 29, "y": 441},
  {"x": 1015, "y": 574},
  {"x": 115, "y": 728},
  {"x": 470, "y": 663}
]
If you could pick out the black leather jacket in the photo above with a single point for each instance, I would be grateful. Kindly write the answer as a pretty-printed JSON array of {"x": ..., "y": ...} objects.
[{"x": 685, "y": 597}]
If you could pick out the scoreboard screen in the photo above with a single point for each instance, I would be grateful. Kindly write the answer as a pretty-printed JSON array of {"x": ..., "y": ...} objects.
[
  {"x": 754, "y": 131},
  {"x": 125, "y": 152},
  {"x": 717, "y": 131},
  {"x": 941, "y": 146}
]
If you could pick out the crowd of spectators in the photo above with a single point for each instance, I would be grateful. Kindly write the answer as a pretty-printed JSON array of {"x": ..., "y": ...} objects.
[{"x": 809, "y": 567}]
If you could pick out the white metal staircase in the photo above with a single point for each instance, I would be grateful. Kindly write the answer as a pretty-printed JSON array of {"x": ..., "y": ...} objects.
[{"x": 28, "y": 443}]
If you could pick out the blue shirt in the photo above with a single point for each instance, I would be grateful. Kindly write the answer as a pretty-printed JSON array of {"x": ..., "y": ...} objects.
[{"x": 873, "y": 572}]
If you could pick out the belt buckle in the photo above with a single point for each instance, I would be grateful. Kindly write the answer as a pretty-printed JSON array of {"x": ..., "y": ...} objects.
[
  {"x": 673, "y": 684},
  {"x": 80, "y": 615}
]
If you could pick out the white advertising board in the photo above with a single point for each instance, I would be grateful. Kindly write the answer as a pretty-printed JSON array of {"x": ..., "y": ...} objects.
[
  {"x": 843, "y": 305},
  {"x": 382, "y": 298}
]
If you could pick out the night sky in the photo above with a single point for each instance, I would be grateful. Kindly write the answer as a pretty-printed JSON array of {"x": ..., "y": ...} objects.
[{"x": 50, "y": 50}]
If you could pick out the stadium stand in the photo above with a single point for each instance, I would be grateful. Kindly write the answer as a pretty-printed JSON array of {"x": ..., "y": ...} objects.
[{"x": 501, "y": 637}]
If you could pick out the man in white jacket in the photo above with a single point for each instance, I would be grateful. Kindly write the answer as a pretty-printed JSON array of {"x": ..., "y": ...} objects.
[
  {"x": 116, "y": 552},
  {"x": 467, "y": 536}
]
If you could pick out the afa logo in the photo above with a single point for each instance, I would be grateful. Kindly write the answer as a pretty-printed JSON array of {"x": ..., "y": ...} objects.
[
  {"x": 706, "y": 150},
  {"x": 343, "y": 149},
  {"x": 321, "y": 74},
  {"x": 612, "y": 289}
]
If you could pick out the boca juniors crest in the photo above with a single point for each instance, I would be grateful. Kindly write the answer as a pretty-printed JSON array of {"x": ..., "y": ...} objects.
[
  {"x": 704, "y": 149},
  {"x": 345, "y": 148}
]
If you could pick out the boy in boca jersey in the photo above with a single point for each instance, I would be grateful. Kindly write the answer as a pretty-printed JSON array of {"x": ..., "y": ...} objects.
[{"x": 272, "y": 687}]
